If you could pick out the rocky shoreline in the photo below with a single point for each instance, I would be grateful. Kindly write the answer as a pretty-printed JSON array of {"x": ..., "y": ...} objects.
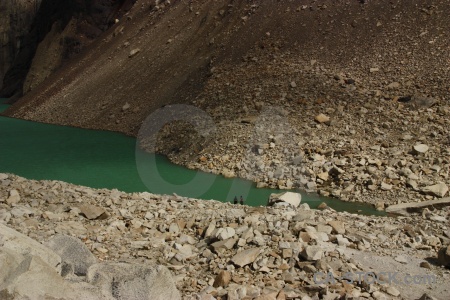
[
  {"x": 213, "y": 250},
  {"x": 344, "y": 135}
]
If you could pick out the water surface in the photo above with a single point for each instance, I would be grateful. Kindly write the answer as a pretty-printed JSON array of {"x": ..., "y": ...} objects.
[{"x": 102, "y": 159}]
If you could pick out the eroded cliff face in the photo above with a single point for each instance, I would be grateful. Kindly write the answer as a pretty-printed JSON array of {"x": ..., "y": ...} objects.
[
  {"x": 60, "y": 29},
  {"x": 15, "y": 21}
]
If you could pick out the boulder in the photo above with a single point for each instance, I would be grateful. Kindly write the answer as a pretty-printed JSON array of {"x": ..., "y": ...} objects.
[
  {"x": 291, "y": 198},
  {"x": 20, "y": 243},
  {"x": 74, "y": 253},
  {"x": 11, "y": 266},
  {"x": 29, "y": 277},
  {"x": 406, "y": 208},
  {"x": 133, "y": 281}
]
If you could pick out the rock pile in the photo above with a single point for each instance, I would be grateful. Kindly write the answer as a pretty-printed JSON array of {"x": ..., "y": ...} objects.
[
  {"x": 213, "y": 250},
  {"x": 355, "y": 141}
]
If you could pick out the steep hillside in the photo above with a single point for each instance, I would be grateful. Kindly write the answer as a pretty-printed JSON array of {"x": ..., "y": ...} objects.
[
  {"x": 16, "y": 19},
  {"x": 178, "y": 46},
  {"x": 42, "y": 35}
]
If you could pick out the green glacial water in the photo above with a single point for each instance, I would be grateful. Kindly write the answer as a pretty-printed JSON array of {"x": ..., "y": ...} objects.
[{"x": 102, "y": 159}]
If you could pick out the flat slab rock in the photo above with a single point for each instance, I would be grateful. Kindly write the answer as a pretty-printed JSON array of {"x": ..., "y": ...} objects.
[
  {"x": 245, "y": 257},
  {"x": 406, "y": 208}
]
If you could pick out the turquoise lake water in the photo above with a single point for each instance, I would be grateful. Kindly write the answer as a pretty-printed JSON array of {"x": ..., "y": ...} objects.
[{"x": 102, "y": 159}]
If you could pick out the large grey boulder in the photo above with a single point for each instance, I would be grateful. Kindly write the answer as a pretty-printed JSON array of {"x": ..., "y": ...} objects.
[
  {"x": 74, "y": 254},
  {"x": 29, "y": 277},
  {"x": 12, "y": 265},
  {"x": 124, "y": 281},
  {"x": 290, "y": 198},
  {"x": 20, "y": 243}
]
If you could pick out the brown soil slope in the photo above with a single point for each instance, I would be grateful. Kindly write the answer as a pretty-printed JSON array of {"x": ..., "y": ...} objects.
[{"x": 180, "y": 45}]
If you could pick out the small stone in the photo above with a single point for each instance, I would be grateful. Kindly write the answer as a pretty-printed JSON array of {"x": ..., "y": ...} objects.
[
  {"x": 438, "y": 218},
  {"x": 287, "y": 253},
  {"x": 225, "y": 233},
  {"x": 380, "y": 205},
  {"x": 412, "y": 184},
  {"x": 312, "y": 253},
  {"x": 174, "y": 228},
  {"x": 385, "y": 186},
  {"x": 134, "y": 52},
  {"x": 393, "y": 85},
  {"x": 210, "y": 229},
  {"x": 392, "y": 291},
  {"x": 322, "y": 206},
  {"x": 425, "y": 265},
  {"x": 342, "y": 241},
  {"x": 293, "y": 84},
  {"x": 420, "y": 148},
  {"x": 323, "y": 176},
  {"x": 126, "y": 106},
  {"x": 322, "y": 119},
  {"x": 93, "y": 212},
  {"x": 338, "y": 226},
  {"x": 401, "y": 259},
  {"x": 379, "y": 295},
  {"x": 438, "y": 190},
  {"x": 14, "y": 197},
  {"x": 222, "y": 279},
  {"x": 225, "y": 244}
]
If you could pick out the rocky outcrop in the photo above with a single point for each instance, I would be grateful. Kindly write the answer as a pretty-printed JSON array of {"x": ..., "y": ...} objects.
[
  {"x": 59, "y": 30},
  {"x": 15, "y": 21},
  {"x": 21, "y": 244},
  {"x": 49, "y": 54},
  {"x": 30, "y": 270}
]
